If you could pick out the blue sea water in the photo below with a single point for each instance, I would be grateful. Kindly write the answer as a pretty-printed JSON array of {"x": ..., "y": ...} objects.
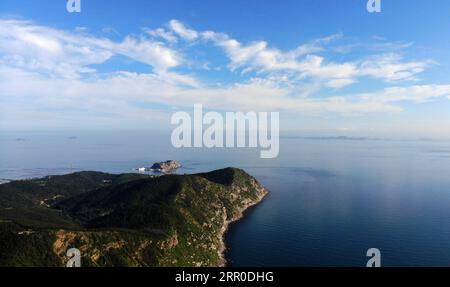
[{"x": 331, "y": 199}]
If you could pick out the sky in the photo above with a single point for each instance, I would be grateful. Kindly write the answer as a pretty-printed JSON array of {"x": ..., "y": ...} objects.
[{"x": 326, "y": 66}]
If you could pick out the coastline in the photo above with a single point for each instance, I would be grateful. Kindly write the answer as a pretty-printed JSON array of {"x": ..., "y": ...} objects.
[
  {"x": 227, "y": 223},
  {"x": 242, "y": 193}
]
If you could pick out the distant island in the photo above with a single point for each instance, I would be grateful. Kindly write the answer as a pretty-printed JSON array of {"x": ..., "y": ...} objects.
[
  {"x": 163, "y": 167},
  {"x": 123, "y": 220},
  {"x": 3, "y": 181}
]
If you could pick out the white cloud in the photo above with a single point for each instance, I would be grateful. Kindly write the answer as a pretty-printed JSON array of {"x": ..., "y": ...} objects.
[
  {"x": 46, "y": 72},
  {"x": 183, "y": 31},
  {"x": 148, "y": 52},
  {"x": 70, "y": 54},
  {"x": 305, "y": 63},
  {"x": 340, "y": 83},
  {"x": 162, "y": 33},
  {"x": 416, "y": 94},
  {"x": 257, "y": 55},
  {"x": 390, "y": 67}
]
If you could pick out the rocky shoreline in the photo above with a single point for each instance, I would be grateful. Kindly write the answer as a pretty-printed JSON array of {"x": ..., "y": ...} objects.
[{"x": 239, "y": 215}]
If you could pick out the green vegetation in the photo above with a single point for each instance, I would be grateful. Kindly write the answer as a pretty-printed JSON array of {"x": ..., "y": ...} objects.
[{"x": 122, "y": 220}]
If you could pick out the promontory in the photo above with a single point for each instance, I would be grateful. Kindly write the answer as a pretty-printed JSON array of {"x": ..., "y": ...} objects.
[{"x": 123, "y": 219}]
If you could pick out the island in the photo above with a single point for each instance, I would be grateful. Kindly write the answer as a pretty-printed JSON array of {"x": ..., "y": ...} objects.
[
  {"x": 3, "y": 181},
  {"x": 166, "y": 166},
  {"x": 123, "y": 219},
  {"x": 162, "y": 167}
]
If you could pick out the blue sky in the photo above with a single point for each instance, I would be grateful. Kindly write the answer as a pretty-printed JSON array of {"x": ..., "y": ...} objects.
[{"x": 327, "y": 66}]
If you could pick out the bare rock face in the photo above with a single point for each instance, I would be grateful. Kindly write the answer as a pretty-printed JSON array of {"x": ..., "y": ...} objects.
[{"x": 166, "y": 166}]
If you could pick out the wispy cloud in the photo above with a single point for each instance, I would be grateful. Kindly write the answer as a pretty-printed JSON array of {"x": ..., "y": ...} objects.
[
  {"x": 182, "y": 31},
  {"x": 46, "y": 72},
  {"x": 303, "y": 61},
  {"x": 71, "y": 53},
  {"x": 162, "y": 34}
]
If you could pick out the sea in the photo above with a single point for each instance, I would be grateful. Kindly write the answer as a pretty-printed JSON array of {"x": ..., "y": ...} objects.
[{"x": 331, "y": 198}]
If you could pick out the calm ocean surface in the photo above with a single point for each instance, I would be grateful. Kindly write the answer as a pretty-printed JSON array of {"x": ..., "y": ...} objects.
[{"x": 330, "y": 200}]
